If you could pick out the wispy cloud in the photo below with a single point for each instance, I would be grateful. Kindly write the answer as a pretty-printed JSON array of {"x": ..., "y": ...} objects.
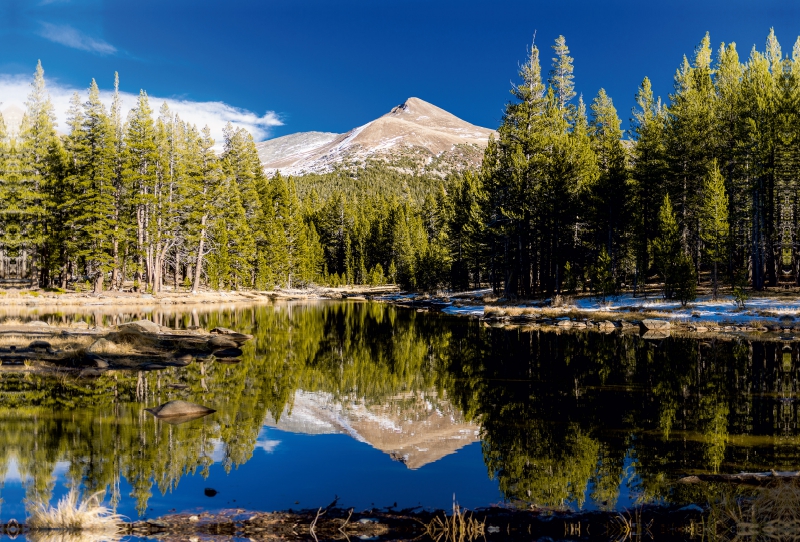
[
  {"x": 71, "y": 37},
  {"x": 14, "y": 90}
]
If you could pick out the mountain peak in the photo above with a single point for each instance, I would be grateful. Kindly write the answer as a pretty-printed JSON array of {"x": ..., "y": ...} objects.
[{"x": 415, "y": 132}]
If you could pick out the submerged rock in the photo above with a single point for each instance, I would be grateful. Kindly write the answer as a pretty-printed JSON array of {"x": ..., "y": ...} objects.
[
  {"x": 182, "y": 359},
  {"x": 228, "y": 353},
  {"x": 231, "y": 334},
  {"x": 221, "y": 341},
  {"x": 656, "y": 335},
  {"x": 179, "y": 411}
]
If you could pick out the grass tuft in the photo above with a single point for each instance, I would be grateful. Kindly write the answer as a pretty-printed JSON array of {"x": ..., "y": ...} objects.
[
  {"x": 72, "y": 513},
  {"x": 460, "y": 527}
]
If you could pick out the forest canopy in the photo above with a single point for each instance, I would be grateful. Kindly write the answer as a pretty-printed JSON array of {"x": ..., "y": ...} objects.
[{"x": 701, "y": 187}]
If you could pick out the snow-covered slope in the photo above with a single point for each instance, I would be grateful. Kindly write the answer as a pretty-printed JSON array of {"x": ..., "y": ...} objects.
[
  {"x": 415, "y": 135},
  {"x": 410, "y": 428},
  {"x": 293, "y": 147}
]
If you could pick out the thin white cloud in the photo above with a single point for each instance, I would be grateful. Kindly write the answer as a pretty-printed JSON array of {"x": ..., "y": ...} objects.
[
  {"x": 14, "y": 91},
  {"x": 71, "y": 37}
]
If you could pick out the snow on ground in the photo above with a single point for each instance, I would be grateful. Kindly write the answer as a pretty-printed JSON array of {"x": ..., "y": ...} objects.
[
  {"x": 703, "y": 308},
  {"x": 472, "y": 310}
]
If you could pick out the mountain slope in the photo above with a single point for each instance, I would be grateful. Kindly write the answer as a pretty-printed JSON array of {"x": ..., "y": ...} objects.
[
  {"x": 415, "y": 136},
  {"x": 410, "y": 429}
]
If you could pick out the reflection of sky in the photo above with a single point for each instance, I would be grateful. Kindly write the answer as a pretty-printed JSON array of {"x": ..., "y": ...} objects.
[
  {"x": 265, "y": 443},
  {"x": 290, "y": 470}
]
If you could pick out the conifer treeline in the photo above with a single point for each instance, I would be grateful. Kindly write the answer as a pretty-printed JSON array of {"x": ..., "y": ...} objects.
[
  {"x": 145, "y": 200},
  {"x": 705, "y": 185}
]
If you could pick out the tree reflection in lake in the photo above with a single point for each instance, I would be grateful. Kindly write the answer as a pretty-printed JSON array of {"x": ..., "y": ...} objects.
[{"x": 564, "y": 417}]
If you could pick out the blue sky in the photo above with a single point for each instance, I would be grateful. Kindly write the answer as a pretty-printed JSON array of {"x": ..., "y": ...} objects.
[{"x": 285, "y": 66}]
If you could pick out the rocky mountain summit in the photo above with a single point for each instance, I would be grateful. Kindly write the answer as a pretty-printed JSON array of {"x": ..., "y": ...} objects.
[
  {"x": 415, "y": 429},
  {"x": 415, "y": 136}
]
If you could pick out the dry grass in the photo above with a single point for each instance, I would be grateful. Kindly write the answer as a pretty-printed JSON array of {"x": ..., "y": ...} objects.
[
  {"x": 772, "y": 514},
  {"x": 114, "y": 348},
  {"x": 460, "y": 527},
  {"x": 61, "y": 343},
  {"x": 72, "y": 513},
  {"x": 628, "y": 526}
]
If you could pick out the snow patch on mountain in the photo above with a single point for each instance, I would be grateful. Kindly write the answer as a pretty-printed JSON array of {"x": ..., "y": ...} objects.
[{"x": 415, "y": 135}]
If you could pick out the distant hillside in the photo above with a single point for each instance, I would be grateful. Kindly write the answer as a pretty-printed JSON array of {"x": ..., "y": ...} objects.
[{"x": 414, "y": 137}]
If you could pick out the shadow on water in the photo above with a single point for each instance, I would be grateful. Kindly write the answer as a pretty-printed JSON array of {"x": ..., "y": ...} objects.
[{"x": 566, "y": 420}]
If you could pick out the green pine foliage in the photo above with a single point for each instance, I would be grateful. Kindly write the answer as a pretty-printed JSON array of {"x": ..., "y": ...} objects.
[{"x": 703, "y": 187}]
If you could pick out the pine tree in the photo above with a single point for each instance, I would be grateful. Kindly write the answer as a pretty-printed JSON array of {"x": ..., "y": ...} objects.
[
  {"x": 610, "y": 192},
  {"x": 561, "y": 78},
  {"x": 29, "y": 209},
  {"x": 714, "y": 222},
  {"x": 648, "y": 174},
  {"x": 141, "y": 159},
  {"x": 667, "y": 248},
  {"x": 91, "y": 188}
]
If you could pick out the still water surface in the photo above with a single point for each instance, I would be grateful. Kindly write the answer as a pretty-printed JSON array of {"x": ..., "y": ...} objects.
[{"x": 383, "y": 406}]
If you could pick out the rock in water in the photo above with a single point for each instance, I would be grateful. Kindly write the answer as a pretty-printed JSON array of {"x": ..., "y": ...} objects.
[
  {"x": 178, "y": 411},
  {"x": 655, "y": 325},
  {"x": 223, "y": 331},
  {"x": 228, "y": 353},
  {"x": 140, "y": 326},
  {"x": 182, "y": 359},
  {"x": 40, "y": 346},
  {"x": 220, "y": 341},
  {"x": 231, "y": 334},
  {"x": 656, "y": 335}
]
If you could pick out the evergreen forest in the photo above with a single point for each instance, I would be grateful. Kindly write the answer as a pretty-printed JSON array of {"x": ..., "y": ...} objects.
[{"x": 702, "y": 189}]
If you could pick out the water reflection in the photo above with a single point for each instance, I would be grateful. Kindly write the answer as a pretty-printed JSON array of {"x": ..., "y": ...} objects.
[{"x": 564, "y": 419}]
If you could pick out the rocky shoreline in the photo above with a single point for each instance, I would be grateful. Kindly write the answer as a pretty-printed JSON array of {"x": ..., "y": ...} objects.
[{"x": 140, "y": 345}]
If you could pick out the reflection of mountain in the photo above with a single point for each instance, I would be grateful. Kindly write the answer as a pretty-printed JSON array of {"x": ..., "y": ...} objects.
[{"x": 410, "y": 428}]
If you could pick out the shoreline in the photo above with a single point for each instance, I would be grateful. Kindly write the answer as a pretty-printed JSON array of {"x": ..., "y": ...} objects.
[
  {"x": 763, "y": 315},
  {"x": 334, "y": 523}
]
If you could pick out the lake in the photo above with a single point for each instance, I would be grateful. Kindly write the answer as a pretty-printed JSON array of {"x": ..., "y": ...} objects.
[{"x": 381, "y": 406}]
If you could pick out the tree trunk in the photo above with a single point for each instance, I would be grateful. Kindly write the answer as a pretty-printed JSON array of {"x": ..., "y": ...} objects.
[{"x": 199, "y": 261}]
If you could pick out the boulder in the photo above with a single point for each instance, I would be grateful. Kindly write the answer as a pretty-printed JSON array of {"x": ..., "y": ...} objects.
[
  {"x": 37, "y": 323},
  {"x": 100, "y": 346},
  {"x": 651, "y": 324},
  {"x": 178, "y": 411},
  {"x": 140, "y": 326},
  {"x": 606, "y": 326},
  {"x": 79, "y": 325},
  {"x": 228, "y": 353},
  {"x": 564, "y": 323}
]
